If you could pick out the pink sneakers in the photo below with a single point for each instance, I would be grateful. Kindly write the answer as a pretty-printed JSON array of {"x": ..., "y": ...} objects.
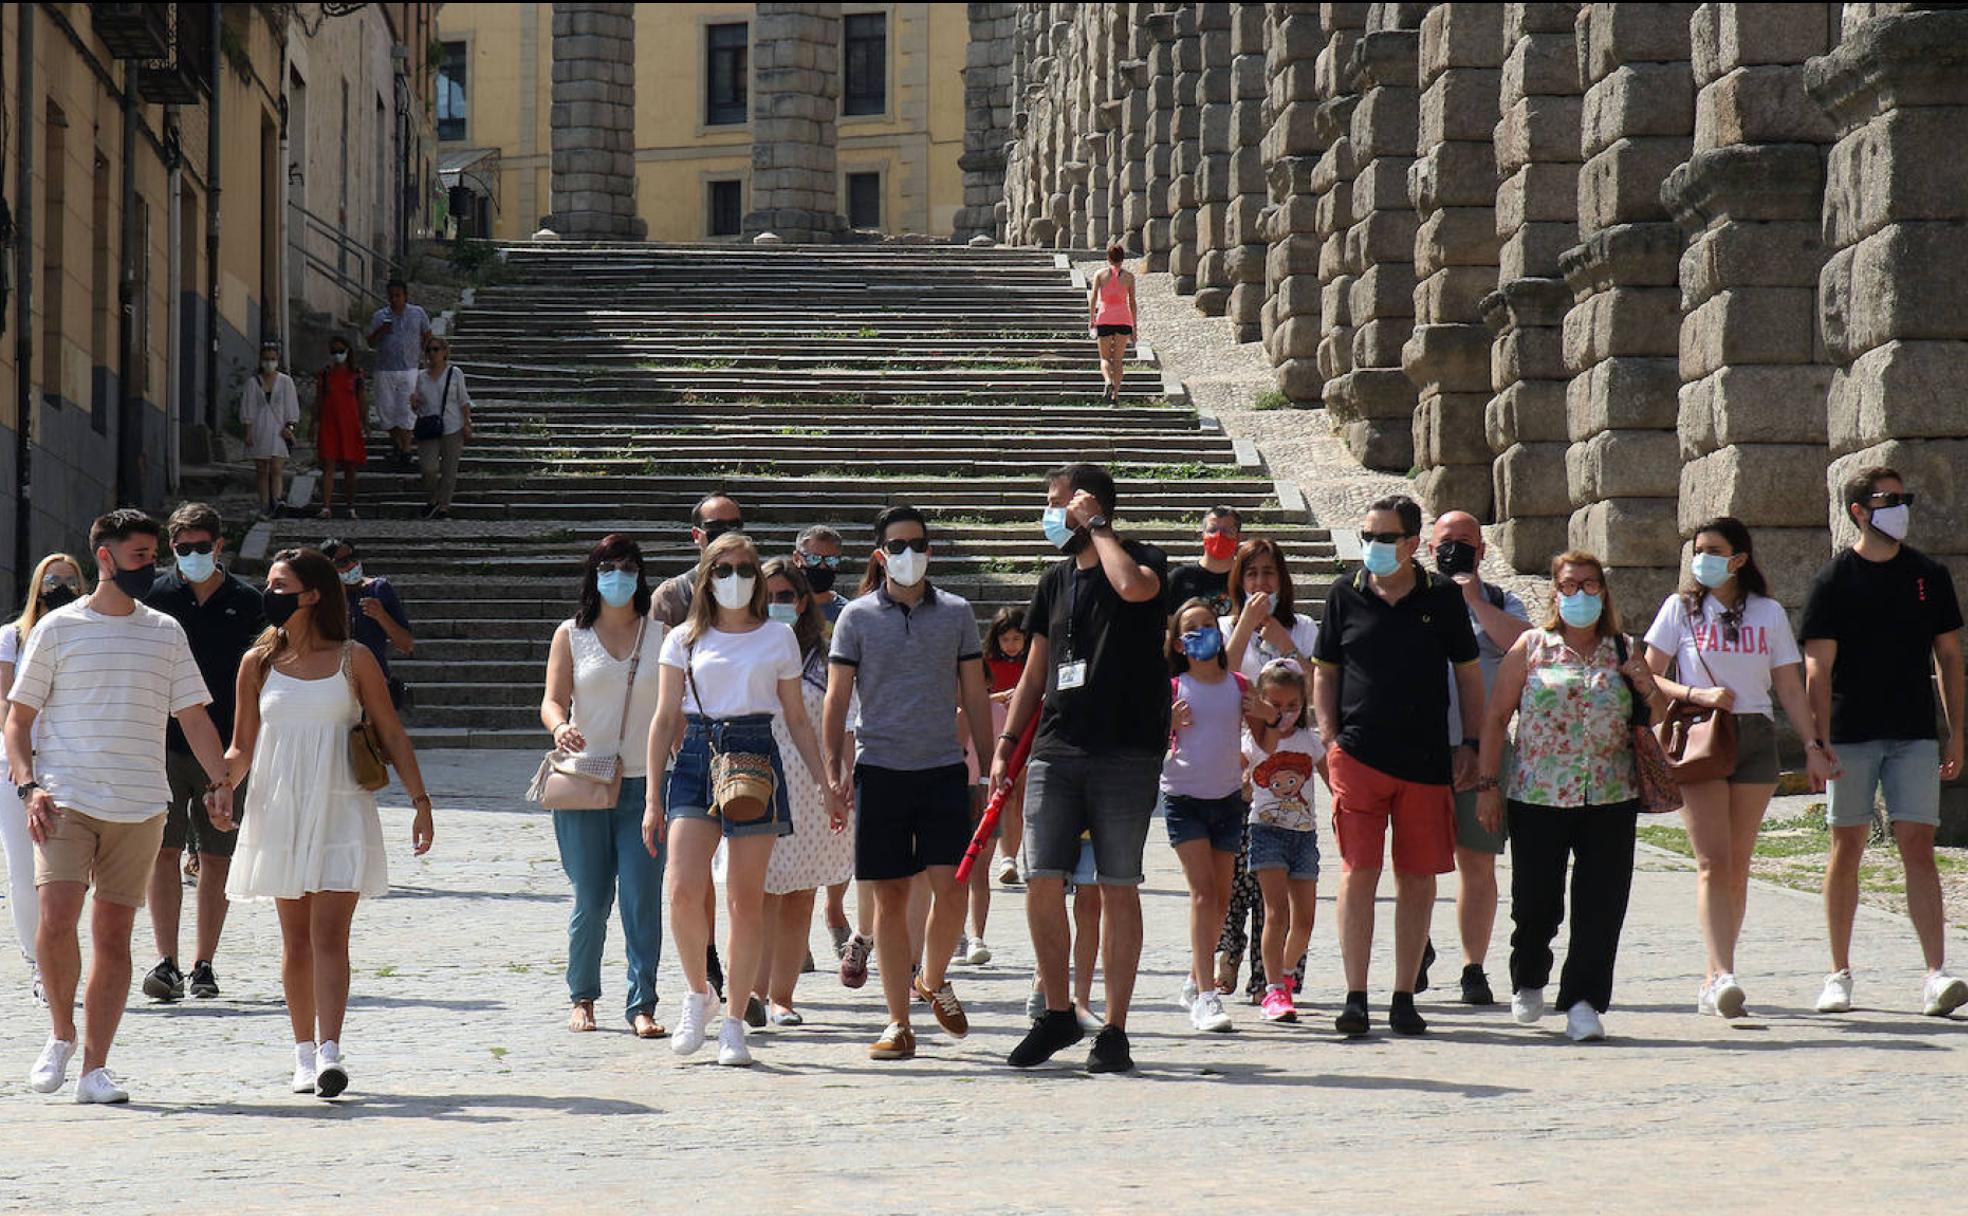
[{"x": 1278, "y": 1005}]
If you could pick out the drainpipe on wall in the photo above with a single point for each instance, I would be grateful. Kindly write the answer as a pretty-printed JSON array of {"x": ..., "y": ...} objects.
[
  {"x": 280, "y": 220},
  {"x": 173, "y": 287},
  {"x": 129, "y": 416},
  {"x": 212, "y": 149},
  {"x": 24, "y": 395}
]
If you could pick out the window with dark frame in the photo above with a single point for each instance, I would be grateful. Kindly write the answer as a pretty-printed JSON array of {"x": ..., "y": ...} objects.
[
  {"x": 727, "y": 63},
  {"x": 864, "y": 87},
  {"x": 864, "y": 200},
  {"x": 727, "y": 208},
  {"x": 451, "y": 98}
]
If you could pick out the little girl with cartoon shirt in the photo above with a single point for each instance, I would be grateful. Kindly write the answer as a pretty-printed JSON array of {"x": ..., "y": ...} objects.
[{"x": 1281, "y": 753}]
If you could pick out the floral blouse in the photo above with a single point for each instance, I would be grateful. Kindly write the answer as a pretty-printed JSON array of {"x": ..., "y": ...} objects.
[{"x": 1574, "y": 744}]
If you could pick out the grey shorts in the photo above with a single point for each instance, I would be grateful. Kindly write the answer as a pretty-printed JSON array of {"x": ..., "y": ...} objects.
[
  {"x": 185, "y": 822},
  {"x": 1470, "y": 832},
  {"x": 1756, "y": 751},
  {"x": 1111, "y": 797},
  {"x": 1906, "y": 773}
]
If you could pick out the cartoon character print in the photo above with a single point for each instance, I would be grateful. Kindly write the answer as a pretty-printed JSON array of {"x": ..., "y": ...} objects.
[{"x": 1285, "y": 776}]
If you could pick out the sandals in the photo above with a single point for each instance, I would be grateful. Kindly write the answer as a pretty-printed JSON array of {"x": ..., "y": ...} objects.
[
  {"x": 581, "y": 1018},
  {"x": 646, "y": 1027}
]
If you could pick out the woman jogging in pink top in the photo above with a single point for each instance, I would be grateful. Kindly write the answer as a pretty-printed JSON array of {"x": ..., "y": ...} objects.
[{"x": 1110, "y": 315}]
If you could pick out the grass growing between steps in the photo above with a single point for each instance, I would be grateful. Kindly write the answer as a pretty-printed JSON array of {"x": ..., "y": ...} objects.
[{"x": 1191, "y": 470}]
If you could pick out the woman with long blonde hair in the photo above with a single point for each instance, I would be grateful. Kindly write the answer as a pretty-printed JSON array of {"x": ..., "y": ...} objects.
[
  {"x": 727, "y": 671},
  {"x": 57, "y": 582}
]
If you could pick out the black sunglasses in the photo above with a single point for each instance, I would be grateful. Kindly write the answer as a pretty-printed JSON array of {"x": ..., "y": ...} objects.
[
  {"x": 714, "y": 528},
  {"x": 189, "y": 547},
  {"x": 1891, "y": 500},
  {"x": 626, "y": 565},
  {"x": 894, "y": 548},
  {"x": 1385, "y": 538},
  {"x": 726, "y": 570}
]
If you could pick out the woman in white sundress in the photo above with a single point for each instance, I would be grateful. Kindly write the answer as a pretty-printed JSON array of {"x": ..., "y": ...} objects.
[{"x": 310, "y": 838}]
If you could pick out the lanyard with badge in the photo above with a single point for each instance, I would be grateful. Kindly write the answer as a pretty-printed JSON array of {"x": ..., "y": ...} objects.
[{"x": 1072, "y": 670}]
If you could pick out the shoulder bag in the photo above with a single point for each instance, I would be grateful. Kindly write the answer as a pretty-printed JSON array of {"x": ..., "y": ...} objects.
[
  {"x": 366, "y": 755},
  {"x": 1699, "y": 742},
  {"x": 1660, "y": 793},
  {"x": 431, "y": 426},
  {"x": 577, "y": 781},
  {"x": 743, "y": 784}
]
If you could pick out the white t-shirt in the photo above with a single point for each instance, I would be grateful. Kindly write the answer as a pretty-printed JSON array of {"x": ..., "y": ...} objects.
[
  {"x": 1763, "y": 642},
  {"x": 601, "y": 685},
  {"x": 10, "y": 646},
  {"x": 104, "y": 687},
  {"x": 732, "y": 674},
  {"x": 1281, "y": 789},
  {"x": 1304, "y": 634}
]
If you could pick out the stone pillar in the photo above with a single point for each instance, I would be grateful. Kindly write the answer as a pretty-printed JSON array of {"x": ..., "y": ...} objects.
[
  {"x": 1328, "y": 315},
  {"x": 1622, "y": 336},
  {"x": 1187, "y": 153},
  {"x": 987, "y": 118},
  {"x": 1755, "y": 379},
  {"x": 796, "y": 72},
  {"x": 1244, "y": 225},
  {"x": 1453, "y": 187},
  {"x": 1375, "y": 401},
  {"x": 1131, "y": 149},
  {"x": 1893, "y": 297},
  {"x": 1161, "y": 136},
  {"x": 1537, "y": 156},
  {"x": 1218, "y": 140},
  {"x": 592, "y": 123}
]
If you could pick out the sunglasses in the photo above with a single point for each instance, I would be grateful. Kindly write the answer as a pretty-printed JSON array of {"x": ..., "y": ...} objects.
[
  {"x": 189, "y": 547},
  {"x": 714, "y": 528},
  {"x": 784, "y": 597},
  {"x": 815, "y": 559},
  {"x": 894, "y": 548},
  {"x": 1385, "y": 538},
  {"x": 1591, "y": 586},
  {"x": 626, "y": 565},
  {"x": 1731, "y": 624},
  {"x": 726, "y": 570},
  {"x": 55, "y": 580},
  {"x": 1891, "y": 500}
]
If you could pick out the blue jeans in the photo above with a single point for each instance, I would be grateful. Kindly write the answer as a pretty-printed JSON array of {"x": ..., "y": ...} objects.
[
  {"x": 1906, "y": 771},
  {"x": 689, "y": 794},
  {"x": 601, "y": 850}
]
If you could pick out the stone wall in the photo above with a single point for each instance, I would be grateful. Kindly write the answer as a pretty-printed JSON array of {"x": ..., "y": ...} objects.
[{"x": 987, "y": 119}]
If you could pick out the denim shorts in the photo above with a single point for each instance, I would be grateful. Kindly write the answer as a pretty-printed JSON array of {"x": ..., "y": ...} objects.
[
  {"x": 1907, "y": 771},
  {"x": 1276, "y": 848},
  {"x": 1217, "y": 820},
  {"x": 1112, "y": 797},
  {"x": 688, "y": 795}
]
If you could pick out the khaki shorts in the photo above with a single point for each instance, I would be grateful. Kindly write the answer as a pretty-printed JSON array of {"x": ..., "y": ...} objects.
[{"x": 115, "y": 858}]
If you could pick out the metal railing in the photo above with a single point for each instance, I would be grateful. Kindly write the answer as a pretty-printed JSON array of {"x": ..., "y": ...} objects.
[{"x": 355, "y": 268}]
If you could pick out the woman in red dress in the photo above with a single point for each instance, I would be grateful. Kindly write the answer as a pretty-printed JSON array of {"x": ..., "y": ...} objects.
[{"x": 339, "y": 426}]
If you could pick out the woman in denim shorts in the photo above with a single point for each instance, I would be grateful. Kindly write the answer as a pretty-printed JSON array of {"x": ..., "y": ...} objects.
[{"x": 725, "y": 672}]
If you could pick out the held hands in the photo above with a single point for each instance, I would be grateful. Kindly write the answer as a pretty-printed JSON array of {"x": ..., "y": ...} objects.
[
  {"x": 41, "y": 815},
  {"x": 218, "y": 805},
  {"x": 1715, "y": 698},
  {"x": 840, "y": 801},
  {"x": 1821, "y": 765}
]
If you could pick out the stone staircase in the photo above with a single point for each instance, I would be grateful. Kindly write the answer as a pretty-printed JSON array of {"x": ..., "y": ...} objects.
[{"x": 616, "y": 385}]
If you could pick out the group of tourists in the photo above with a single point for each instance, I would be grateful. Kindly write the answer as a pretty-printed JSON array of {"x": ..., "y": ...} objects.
[{"x": 419, "y": 398}]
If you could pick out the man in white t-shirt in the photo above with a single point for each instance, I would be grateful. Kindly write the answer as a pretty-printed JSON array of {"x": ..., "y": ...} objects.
[{"x": 92, "y": 693}]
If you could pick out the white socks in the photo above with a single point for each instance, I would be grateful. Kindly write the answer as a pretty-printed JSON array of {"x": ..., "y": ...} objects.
[{"x": 329, "y": 1052}]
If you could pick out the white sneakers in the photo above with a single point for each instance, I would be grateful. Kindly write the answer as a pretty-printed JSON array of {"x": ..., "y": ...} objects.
[
  {"x": 97, "y": 1086},
  {"x": 732, "y": 1051},
  {"x": 1527, "y": 1005},
  {"x": 977, "y": 954},
  {"x": 1189, "y": 992},
  {"x": 1943, "y": 995},
  {"x": 304, "y": 1068},
  {"x": 50, "y": 1069},
  {"x": 1582, "y": 1024},
  {"x": 691, "y": 1026},
  {"x": 330, "y": 1073},
  {"x": 1722, "y": 996},
  {"x": 1837, "y": 994},
  {"x": 1008, "y": 871},
  {"x": 1207, "y": 1014}
]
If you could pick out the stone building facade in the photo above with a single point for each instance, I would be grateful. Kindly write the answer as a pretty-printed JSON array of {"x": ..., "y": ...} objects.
[{"x": 1595, "y": 271}]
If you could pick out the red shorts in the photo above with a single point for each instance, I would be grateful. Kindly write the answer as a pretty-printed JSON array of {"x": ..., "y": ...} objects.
[{"x": 1364, "y": 798}]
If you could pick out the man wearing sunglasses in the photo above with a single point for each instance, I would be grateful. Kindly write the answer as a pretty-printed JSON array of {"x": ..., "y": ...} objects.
[
  {"x": 817, "y": 553},
  {"x": 711, "y": 518},
  {"x": 1383, "y": 708},
  {"x": 1880, "y": 621},
  {"x": 914, "y": 654},
  {"x": 222, "y": 616}
]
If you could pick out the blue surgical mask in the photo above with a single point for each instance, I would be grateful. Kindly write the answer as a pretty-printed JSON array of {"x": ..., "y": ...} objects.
[
  {"x": 617, "y": 587},
  {"x": 785, "y": 614},
  {"x": 197, "y": 567},
  {"x": 1057, "y": 530},
  {"x": 1710, "y": 569},
  {"x": 1380, "y": 558},
  {"x": 1203, "y": 644},
  {"x": 352, "y": 576},
  {"x": 1580, "y": 609}
]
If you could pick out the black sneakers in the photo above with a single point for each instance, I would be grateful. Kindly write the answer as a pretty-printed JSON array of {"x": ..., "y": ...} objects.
[
  {"x": 1427, "y": 961},
  {"x": 164, "y": 982},
  {"x": 1403, "y": 1018},
  {"x": 1353, "y": 1020},
  {"x": 203, "y": 983},
  {"x": 1476, "y": 986},
  {"x": 1051, "y": 1031},
  {"x": 714, "y": 970},
  {"x": 1110, "y": 1051}
]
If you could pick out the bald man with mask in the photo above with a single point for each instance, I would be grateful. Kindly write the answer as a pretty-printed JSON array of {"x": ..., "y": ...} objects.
[{"x": 1498, "y": 617}]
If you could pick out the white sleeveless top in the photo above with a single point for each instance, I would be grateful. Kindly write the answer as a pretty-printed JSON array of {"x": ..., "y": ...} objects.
[{"x": 600, "y": 679}]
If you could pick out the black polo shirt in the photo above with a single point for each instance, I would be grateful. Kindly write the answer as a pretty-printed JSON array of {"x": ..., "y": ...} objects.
[
  {"x": 1123, "y": 707},
  {"x": 221, "y": 631},
  {"x": 1393, "y": 703}
]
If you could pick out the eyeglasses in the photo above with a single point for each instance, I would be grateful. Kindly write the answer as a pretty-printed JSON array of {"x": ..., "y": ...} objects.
[
  {"x": 1385, "y": 538},
  {"x": 1572, "y": 586},
  {"x": 783, "y": 597},
  {"x": 815, "y": 559},
  {"x": 917, "y": 544},
  {"x": 626, "y": 565},
  {"x": 1891, "y": 500},
  {"x": 189, "y": 547},
  {"x": 726, "y": 570}
]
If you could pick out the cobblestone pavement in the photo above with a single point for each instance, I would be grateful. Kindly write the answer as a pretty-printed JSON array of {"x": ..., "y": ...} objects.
[{"x": 468, "y": 1095}]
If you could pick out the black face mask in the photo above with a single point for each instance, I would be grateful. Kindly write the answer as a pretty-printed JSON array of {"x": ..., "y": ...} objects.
[
  {"x": 1453, "y": 557},
  {"x": 280, "y": 605},
  {"x": 136, "y": 583},
  {"x": 58, "y": 596},
  {"x": 820, "y": 578}
]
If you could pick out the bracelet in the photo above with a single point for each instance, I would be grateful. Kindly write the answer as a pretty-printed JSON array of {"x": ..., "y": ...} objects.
[
  {"x": 421, "y": 801},
  {"x": 1007, "y": 737},
  {"x": 1485, "y": 784}
]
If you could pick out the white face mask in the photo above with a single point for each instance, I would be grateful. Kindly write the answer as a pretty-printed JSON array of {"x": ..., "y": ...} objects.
[
  {"x": 908, "y": 567},
  {"x": 269, "y": 365},
  {"x": 339, "y": 356},
  {"x": 733, "y": 590},
  {"x": 1893, "y": 521}
]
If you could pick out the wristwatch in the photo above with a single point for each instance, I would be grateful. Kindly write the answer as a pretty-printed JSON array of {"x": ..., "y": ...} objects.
[
  {"x": 1097, "y": 523},
  {"x": 1475, "y": 745},
  {"x": 25, "y": 788},
  {"x": 1815, "y": 745}
]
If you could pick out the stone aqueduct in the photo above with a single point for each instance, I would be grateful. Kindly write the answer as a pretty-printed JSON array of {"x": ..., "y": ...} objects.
[{"x": 1595, "y": 271}]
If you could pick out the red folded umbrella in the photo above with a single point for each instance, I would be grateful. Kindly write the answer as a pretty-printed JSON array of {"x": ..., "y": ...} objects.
[{"x": 980, "y": 840}]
